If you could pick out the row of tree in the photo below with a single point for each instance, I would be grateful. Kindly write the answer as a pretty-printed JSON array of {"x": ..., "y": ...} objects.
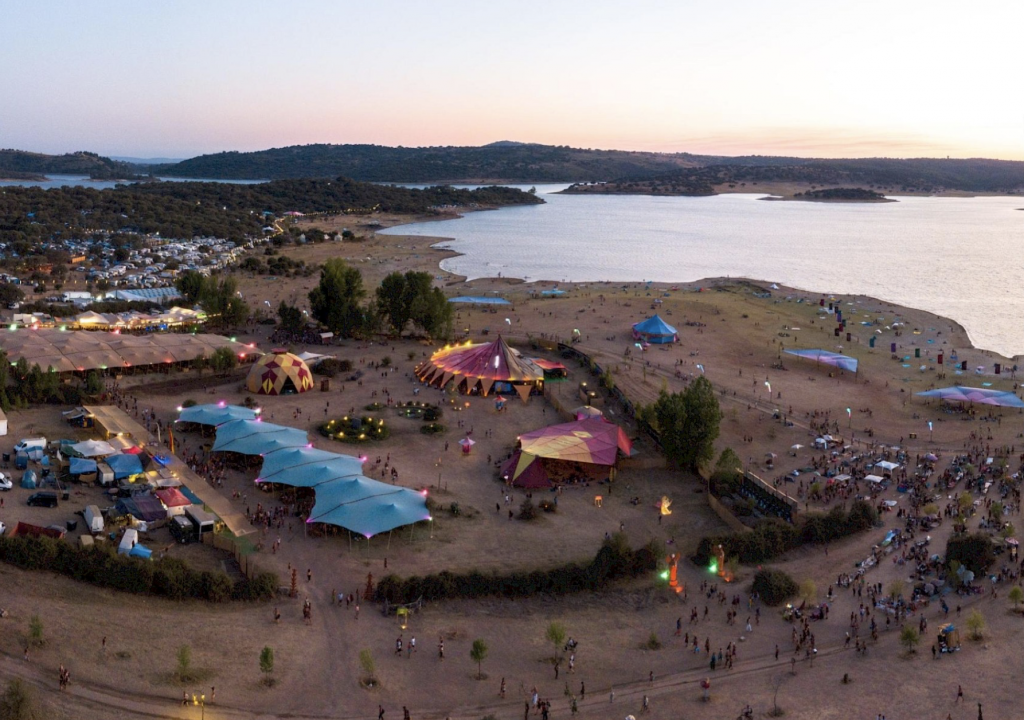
[{"x": 401, "y": 300}]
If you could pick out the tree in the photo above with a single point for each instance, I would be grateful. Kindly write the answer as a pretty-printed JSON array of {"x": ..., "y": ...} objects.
[
  {"x": 35, "y": 630},
  {"x": 267, "y": 665},
  {"x": 688, "y": 423},
  {"x": 808, "y": 592},
  {"x": 223, "y": 360},
  {"x": 478, "y": 653},
  {"x": 412, "y": 297},
  {"x": 183, "y": 669},
  {"x": 369, "y": 667},
  {"x": 335, "y": 301},
  {"x": 976, "y": 624},
  {"x": 291, "y": 319},
  {"x": 10, "y": 294},
  {"x": 555, "y": 634},
  {"x": 1016, "y": 596},
  {"x": 191, "y": 285},
  {"x": 909, "y": 638},
  {"x": 896, "y": 589},
  {"x": 17, "y": 703},
  {"x": 777, "y": 682}
]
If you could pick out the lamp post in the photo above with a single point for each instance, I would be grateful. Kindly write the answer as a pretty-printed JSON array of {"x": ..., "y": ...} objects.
[{"x": 200, "y": 700}]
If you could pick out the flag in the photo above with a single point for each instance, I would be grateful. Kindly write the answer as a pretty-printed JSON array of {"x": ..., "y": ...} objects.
[
  {"x": 701, "y": 368},
  {"x": 929, "y": 425},
  {"x": 170, "y": 438}
]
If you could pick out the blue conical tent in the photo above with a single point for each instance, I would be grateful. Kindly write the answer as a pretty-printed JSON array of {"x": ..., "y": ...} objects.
[
  {"x": 254, "y": 437},
  {"x": 655, "y": 330},
  {"x": 366, "y": 506},
  {"x": 307, "y": 467}
]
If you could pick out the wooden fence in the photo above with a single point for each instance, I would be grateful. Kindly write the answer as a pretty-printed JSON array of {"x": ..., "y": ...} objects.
[{"x": 242, "y": 552}]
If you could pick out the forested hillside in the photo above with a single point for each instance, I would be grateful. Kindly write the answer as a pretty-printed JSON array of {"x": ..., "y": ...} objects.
[
  {"x": 185, "y": 210},
  {"x": 18, "y": 163}
]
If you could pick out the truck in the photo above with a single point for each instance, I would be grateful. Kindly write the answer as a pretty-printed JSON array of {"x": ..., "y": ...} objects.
[
  {"x": 104, "y": 474},
  {"x": 191, "y": 526},
  {"x": 93, "y": 519}
]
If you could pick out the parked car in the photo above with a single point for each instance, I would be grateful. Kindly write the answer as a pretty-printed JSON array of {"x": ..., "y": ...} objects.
[
  {"x": 5, "y": 482},
  {"x": 43, "y": 499}
]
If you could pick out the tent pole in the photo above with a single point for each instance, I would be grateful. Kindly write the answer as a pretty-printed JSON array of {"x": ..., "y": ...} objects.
[{"x": 389, "y": 539}]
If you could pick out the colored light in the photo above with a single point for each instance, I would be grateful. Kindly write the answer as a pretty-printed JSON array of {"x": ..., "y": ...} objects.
[
  {"x": 713, "y": 567},
  {"x": 663, "y": 574}
]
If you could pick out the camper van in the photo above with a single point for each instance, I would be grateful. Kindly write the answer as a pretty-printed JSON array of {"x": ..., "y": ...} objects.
[
  {"x": 29, "y": 445},
  {"x": 93, "y": 519}
]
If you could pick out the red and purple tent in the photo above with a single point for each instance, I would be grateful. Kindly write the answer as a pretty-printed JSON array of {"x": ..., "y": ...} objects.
[{"x": 592, "y": 441}]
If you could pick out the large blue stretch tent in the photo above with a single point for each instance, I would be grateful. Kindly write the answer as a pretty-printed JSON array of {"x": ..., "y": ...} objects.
[
  {"x": 655, "y": 330},
  {"x": 215, "y": 414},
  {"x": 255, "y": 437},
  {"x": 344, "y": 496},
  {"x": 307, "y": 467}
]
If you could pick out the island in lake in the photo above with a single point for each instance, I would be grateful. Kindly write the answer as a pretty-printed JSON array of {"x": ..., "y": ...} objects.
[{"x": 840, "y": 194}]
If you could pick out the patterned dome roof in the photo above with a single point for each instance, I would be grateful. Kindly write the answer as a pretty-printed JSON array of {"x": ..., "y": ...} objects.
[{"x": 279, "y": 373}]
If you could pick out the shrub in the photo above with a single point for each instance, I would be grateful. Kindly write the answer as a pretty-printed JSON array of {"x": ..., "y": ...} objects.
[
  {"x": 773, "y": 586},
  {"x": 972, "y": 551},
  {"x": 432, "y": 428},
  {"x": 527, "y": 511},
  {"x": 262, "y": 587},
  {"x": 548, "y": 506}
]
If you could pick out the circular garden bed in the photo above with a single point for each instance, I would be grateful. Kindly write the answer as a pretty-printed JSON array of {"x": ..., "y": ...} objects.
[
  {"x": 419, "y": 411},
  {"x": 355, "y": 429}
]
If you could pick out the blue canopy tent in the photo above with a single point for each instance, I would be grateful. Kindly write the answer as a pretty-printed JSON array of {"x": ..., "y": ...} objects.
[
  {"x": 655, "y": 331},
  {"x": 215, "y": 414},
  {"x": 982, "y": 396},
  {"x": 254, "y": 437},
  {"x": 843, "y": 362},
  {"x": 142, "y": 507},
  {"x": 366, "y": 506},
  {"x": 124, "y": 465},
  {"x": 307, "y": 467},
  {"x": 81, "y": 466}
]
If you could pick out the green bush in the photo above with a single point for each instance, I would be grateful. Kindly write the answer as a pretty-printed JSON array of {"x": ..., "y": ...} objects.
[
  {"x": 432, "y": 428},
  {"x": 101, "y": 565},
  {"x": 615, "y": 560},
  {"x": 972, "y": 551},
  {"x": 773, "y": 586}
]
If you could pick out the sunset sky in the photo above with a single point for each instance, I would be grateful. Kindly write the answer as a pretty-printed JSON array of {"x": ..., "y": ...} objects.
[{"x": 839, "y": 79}]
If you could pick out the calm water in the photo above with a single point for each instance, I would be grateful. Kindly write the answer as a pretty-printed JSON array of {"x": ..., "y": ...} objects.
[
  {"x": 961, "y": 258},
  {"x": 56, "y": 181}
]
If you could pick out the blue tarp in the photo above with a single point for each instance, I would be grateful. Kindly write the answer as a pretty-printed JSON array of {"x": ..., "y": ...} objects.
[
  {"x": 79, "y": 466},
  {"x": 479, "y": 300},
  {"x": 140, "y": 551},
  {"x": 982, "y": 396},
  {"x": 366, "y": 506},
  {"x": 143, "y": 507},
  {"x": 190, "y": 495},
  {"x": 254, "y": 437},
  {"x": 124, "y": 465},
  {"x": 307, "y": 467},
  {"x": 215, "y": 414},
  {"x": 552, "y": 293},
  {"x": 654, "y": 330}
]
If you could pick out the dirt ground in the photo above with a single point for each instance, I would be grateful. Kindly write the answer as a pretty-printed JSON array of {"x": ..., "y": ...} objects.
[{"x": 736, "y": 336}]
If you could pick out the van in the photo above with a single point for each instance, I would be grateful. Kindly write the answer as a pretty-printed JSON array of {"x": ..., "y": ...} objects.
[
  {"x": 43, "y": 499},
  {"x": 93, "y": 519},
  {"x": 183, "y": 530},
  {"x": 29, "y": 444}
]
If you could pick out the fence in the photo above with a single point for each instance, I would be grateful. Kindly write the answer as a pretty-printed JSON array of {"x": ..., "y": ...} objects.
[{"x": 240, "y": 551}]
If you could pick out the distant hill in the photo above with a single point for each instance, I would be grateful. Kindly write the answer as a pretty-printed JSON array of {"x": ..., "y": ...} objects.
[
  {"x": 504, "y": 161},
  {"x": 917, "y": 175},
  {"x": 507, "y": 161},
  {"x": 147, "y": 161},
  {"x": 76, "y": 163}
]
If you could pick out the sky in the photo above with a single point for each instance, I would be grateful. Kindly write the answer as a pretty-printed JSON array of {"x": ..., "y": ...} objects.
[{"x": 899, "y": 78}]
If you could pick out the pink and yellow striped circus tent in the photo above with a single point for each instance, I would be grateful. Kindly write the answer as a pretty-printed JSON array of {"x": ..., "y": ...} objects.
[
  {"x": 588, "y": 442},
  {"x": 478, "y": 367}
]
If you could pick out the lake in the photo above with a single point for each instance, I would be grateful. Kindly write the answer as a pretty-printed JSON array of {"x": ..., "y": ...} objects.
[
  {"x": 961, "y": 258},
  {"x": 56, "y": 181}
]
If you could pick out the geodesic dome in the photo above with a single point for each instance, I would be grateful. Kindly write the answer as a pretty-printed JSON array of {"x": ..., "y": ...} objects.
[{"x": 279, "y": 373}]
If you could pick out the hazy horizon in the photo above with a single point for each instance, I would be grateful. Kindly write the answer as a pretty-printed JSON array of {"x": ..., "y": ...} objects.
[{"x": 872, "y": 79}]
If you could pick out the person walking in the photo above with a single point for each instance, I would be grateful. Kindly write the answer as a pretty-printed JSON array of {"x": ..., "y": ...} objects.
[
  {"x": 959, "y": 694},
  {"x": 501, "y": 690}
]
